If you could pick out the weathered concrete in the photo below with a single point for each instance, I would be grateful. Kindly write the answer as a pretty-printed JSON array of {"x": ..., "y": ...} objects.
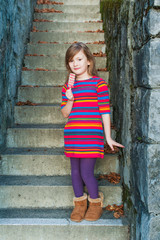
[
  {"x": 66, "y": 37},
  {"x": 62, "y": 229},
  {"x": 59, "y": 49},
  {"x": 42, "y": 95},
  {"x": 54, "y": 63},
  {"x": 32, "y": 136},
  {"x": 52, "y": 192},
  {"x": 82, "y": 2},
  {"x": 66, "y": 17},
  {"x": 72, "y": 9},
  {"x": 25, "y": 163},
  {"x": 41, "y": 114},
  {"x": 45, "y": 78},
  {"x": 65, "y": 26}
]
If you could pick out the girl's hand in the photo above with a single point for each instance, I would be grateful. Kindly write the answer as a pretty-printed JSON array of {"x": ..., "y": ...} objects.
[
  {"x": 112, "y": 143},
  {"x": 69, "y": 94}
]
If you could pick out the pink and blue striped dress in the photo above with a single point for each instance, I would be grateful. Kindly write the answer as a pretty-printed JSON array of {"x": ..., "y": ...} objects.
[{"x": 83, "y": 133}]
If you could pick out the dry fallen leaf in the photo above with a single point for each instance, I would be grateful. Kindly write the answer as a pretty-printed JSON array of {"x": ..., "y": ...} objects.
[
  {"x": 102, "y": 69},
  {"x": 29, "y": 103},
  {"x": 54, "y": 42},
  {"x": 47, "y": 10},
  {"x": 26, "y": 69},
  {"x": 42, "y": 42},
  {"x": 34, "y": 29},
  {"x": 33, "y": 55},
  {"x": 118, "y": 210},
  {"x": 100, "y": 54},
  {"x": 29, "y": 86},
  {"x": 107, "y": 149},
  {"x": 48, "y": 2},
  {"x": 112, "y": 177},
  {"x": 99, "y": 21},
  {"x": 41, "y": 69},
  {"x": 70, "y": 43},
  {"x": 99, "y": 30},
  {"x": 42, "y": 20},
  {"x": 100, "y": 42}
]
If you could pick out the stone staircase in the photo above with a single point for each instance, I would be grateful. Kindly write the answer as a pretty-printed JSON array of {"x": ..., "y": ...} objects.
[{"x": 35, "y": 185}]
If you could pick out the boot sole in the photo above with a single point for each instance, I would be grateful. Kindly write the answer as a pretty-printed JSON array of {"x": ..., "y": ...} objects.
[
  {"x": 92, "y": 220},
  {"x": 76, "y": 220}
]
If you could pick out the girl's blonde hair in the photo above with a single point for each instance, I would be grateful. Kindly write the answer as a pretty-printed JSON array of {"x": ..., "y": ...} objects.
[{"x": 73, "y": 50}]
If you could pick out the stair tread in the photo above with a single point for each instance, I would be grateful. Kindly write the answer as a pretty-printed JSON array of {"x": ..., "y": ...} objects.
[
  {"x": 54, "y": 216},
  {"x": 40, "y": 151},
  {"x": 33, "y": 151},
  {"x": 39, "y": 126},
  {"x": 45, "y": 181},
  {"x": 40, "y": 105}
]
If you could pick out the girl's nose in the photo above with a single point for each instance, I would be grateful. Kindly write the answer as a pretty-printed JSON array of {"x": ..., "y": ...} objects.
[{"x": 75, "y": 63}]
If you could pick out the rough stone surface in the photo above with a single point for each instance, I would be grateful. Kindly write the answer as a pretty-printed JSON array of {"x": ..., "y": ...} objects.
[
  {"x": 15, "y": 23},
  {"x": 132, "y": 38},
  {"x": 155, "y": 233},
  {"x": 147, "y": 182},
  {"x": 148, "y": 57},
  {"x": 146, "y": 107}
]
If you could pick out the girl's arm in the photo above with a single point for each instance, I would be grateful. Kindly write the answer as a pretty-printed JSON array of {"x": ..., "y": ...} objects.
[
  {"x": 68, "y": 107},
  {"x": 107, "y": 129}
]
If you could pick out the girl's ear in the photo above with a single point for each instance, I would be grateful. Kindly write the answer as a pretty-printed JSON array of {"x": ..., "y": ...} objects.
[{"x": 88, "y": 63}]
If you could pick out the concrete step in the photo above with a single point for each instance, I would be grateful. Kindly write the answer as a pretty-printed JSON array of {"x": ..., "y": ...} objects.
[
  {"x": 59, "y": 49},
  {"x": 41, "y": 114},
  {"x": 49, "y": 224},
  {"x": 66, "y": 37},
  {"x": 47, "y": 95},
  {"x": 67, "y": 27},
  {"x": 40, "y": 95},
  {"x": 48, "y": 192},
  {"x": 55, "y": 63},
  {"x": 71, "y": 8},
  {"x": 24, "y": 162},
  {"x": 44, "y": 78},
  {"x": 68, "y": 17},
  {"x": 41, "y": 136},
  {"x": 77, "y": 2}
]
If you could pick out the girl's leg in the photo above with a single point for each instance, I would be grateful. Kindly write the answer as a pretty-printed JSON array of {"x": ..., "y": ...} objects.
[
  {"x": 77, "y": 181},
  {"x": 87, "y": 173}
]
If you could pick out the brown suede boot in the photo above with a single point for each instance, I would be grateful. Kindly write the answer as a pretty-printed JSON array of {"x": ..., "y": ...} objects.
[
  {"x": 79, "y": 211},
  {"x": 95, "y": 210}
]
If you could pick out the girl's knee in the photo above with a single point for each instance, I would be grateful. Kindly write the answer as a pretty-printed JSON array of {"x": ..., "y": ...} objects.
[{"x": 75, "y": 173}]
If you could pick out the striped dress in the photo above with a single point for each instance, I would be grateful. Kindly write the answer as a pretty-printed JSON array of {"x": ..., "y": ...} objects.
[{"x": 83, "y": 133}]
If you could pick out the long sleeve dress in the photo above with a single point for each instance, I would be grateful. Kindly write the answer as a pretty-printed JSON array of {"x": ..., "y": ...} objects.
[{"x": 83, "y": 133}]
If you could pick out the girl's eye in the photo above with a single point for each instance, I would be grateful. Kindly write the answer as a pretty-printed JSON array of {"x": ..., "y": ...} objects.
[{"x": 79, "y": 59}]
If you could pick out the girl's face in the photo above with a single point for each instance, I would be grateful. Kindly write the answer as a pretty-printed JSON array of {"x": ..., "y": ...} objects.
[{"x": 79, "y": 65}]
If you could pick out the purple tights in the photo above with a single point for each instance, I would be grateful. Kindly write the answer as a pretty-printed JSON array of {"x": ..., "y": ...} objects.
[{"x": 82, "y": 171}]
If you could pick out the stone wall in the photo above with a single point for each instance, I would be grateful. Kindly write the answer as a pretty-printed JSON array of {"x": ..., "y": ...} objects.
[
  {"x": 15, "y": 24},
  {"x": 132, "y": 32}
]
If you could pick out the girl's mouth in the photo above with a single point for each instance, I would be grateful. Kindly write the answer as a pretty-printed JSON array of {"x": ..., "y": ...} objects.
[{"x": 76, "y": 68}]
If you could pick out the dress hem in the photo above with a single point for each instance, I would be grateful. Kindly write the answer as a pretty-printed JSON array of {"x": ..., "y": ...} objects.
[{"x": 84, "y": 155}]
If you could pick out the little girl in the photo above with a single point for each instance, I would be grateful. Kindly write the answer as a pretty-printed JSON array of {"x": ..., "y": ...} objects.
[{"x": 86, "y": 106}]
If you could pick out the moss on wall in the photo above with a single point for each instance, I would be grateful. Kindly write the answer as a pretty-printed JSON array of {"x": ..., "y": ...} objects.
[{"x": 109, "y": 10}]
